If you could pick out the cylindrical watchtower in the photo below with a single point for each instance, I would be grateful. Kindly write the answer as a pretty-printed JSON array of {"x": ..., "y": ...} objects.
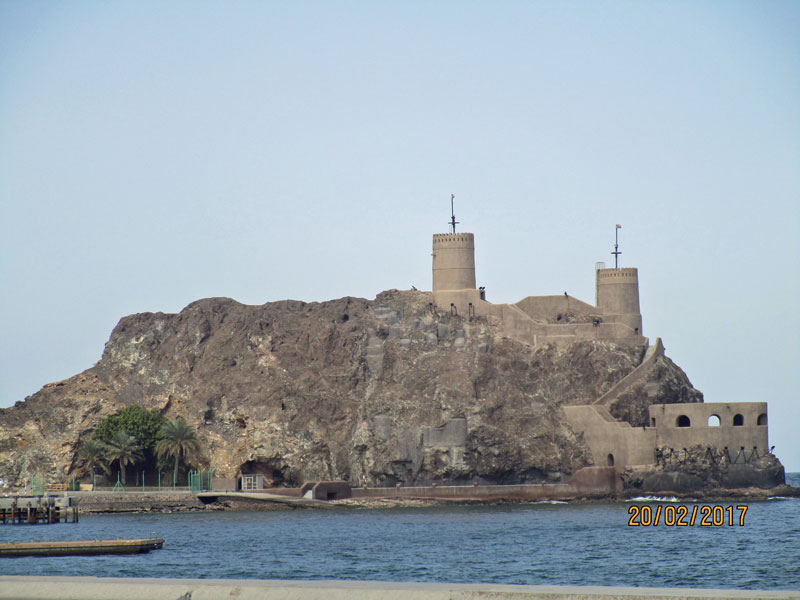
[
  {"x": 618, "y": 296},
  {"x": 453, "y": 261}
]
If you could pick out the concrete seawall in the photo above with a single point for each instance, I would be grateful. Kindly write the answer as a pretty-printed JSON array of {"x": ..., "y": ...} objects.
[
  {"x": 133, "y": 501},
  {"x": 93, "y": 588}
]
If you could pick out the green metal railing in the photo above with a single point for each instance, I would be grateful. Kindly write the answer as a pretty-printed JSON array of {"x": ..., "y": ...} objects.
[
  {"x": 200, "y": 481},
  {"x": 197, "y": 481}
]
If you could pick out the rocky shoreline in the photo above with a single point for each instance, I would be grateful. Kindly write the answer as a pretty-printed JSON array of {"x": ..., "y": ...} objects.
[{"x": 183, "y": 502}]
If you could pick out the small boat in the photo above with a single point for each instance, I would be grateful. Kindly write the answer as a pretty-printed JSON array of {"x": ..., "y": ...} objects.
[{"x": 73, "y": 548}]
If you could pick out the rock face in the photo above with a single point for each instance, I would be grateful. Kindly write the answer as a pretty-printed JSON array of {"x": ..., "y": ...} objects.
[
  {"x": 691, "y": 469},
  {"x": 373, "y": 392}
]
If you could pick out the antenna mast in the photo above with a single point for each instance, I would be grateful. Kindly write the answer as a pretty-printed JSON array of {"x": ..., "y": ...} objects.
[
  {"x": 453, "y": 221},
  {"x": 616, "y": 251}
]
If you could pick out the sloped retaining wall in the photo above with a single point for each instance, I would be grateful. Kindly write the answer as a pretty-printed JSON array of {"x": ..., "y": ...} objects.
[{"x": 587, "y": 481}]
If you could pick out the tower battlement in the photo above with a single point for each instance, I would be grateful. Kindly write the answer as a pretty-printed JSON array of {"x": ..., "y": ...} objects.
[
  {"x": 456, "y": 238},
  {"x": 537, "y": 319},
  {"x": 630, "y": 274}
]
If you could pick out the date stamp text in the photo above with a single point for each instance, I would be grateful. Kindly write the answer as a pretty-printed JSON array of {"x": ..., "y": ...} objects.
[{"x": 681, "y": 515}]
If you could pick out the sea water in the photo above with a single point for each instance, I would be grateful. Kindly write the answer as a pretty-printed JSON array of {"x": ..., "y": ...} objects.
[{"x": 534, "y": 543}]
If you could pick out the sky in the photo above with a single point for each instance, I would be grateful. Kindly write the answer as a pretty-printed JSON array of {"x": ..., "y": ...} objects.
[{"x": 156, "y": 153}]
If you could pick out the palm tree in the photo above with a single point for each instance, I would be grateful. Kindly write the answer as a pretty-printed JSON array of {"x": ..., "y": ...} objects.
[
  {"x": 125, "y": 449},
  {"x": 91, "y": 455},
  {"x": 177, "y": 438}
]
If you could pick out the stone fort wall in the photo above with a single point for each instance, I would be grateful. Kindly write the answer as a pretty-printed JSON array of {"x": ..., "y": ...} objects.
[
  {"x": 538, "y": 319},
  {"x": 678, "y": 426},
  {"x": 718, "y": 424}
]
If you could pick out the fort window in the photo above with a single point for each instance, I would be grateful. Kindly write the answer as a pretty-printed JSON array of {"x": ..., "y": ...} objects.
[
  {"x": 610, "y": 460},
  {"x": 713, "y": 421},
  {"x": 683, "y": 421},
  {"x": 738, "y": 420},
  {"x": 762, "y": 419},
  {"x": 653, "y": 422}
]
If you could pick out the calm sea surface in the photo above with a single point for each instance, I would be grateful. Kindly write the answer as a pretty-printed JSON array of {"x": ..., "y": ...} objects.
[{"x": 537, "y": 544}]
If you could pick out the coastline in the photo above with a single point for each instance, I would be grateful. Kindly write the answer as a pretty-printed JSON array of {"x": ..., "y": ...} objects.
[{"x": 175, "y": 501}]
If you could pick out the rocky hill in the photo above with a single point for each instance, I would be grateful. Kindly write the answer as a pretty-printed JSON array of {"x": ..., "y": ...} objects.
[{"x": 372, "y": 391}]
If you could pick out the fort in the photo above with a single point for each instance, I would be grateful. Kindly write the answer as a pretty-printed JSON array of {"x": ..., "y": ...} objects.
[
  {"x": 736, "y": 432},
  {"x": 538, "y": 319},
  {"x": 442, "y": 393}
]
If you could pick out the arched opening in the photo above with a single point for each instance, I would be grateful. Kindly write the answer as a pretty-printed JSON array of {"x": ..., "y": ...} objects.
[
  {"x": 762, "y": 419},
  {"x": 610, "y": 460},
  {"x": 683, "y": 421},
  {"x": 738, "y": 420},
  {"x": 713, "y": 421}
]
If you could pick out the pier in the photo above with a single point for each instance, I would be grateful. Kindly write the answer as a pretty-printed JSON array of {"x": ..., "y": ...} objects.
[{"x": 35, "y": 510}]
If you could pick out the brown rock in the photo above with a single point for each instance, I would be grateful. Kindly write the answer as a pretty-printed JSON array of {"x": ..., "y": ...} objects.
[{"x": 371, "y": 392}]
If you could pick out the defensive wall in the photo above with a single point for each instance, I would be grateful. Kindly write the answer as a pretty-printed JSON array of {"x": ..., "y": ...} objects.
[
  {"x": 615, "y": 316},
  {"x": 715, "y": 424},
  {"x": 612, "y": 443},
  {"x": 636, "y": 376},
  {"x": 537, "y": 319}
]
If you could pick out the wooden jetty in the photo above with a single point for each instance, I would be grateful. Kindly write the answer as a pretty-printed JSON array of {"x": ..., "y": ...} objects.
[
  {"x": 16, "y": 510},
  {"x": 74, "y": 548}
]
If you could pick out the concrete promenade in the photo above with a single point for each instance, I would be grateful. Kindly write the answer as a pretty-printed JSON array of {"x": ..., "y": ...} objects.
[{"x": 92, "y": 588}]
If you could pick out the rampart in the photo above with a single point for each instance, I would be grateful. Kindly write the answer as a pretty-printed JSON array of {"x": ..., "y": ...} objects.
[
  {"x": 636, "y": 376},
  {"x": 735, "y": 425},
  {"x": 612, "y": 443},
  {"x": 677, "y": 426}
]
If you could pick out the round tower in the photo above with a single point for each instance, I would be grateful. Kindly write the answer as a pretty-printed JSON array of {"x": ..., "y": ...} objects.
[
  {"x": 618, "y": 297},
  {"x": 453, "y": 261}
]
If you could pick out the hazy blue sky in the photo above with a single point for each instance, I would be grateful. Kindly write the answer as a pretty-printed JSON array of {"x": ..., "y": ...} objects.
[{"x": 155, "y": 153}]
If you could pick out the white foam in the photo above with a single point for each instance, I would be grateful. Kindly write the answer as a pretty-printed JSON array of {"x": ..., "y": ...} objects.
[{"x": 652, "y": 499}]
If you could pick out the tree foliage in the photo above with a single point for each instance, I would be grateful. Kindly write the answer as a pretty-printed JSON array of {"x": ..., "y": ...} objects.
[
  {"x": 142, "y": 424},
  {"x": 92, "y": 455},
  {"x": 125, "y": 449},
  {"x": 177, "y": 439}
]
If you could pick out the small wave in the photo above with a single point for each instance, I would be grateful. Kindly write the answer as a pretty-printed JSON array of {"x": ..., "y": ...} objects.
[
  {"x": 652, "y": 499},
  {"x": 549, "y": 502},
  {"x": 780, "y": 498}
]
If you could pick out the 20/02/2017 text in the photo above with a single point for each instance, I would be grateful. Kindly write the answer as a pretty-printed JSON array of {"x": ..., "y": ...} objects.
[{"x": 705, "y": 515}]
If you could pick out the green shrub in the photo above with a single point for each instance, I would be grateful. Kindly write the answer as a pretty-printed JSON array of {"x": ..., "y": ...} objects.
[{"x": 142, "y": 424}]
